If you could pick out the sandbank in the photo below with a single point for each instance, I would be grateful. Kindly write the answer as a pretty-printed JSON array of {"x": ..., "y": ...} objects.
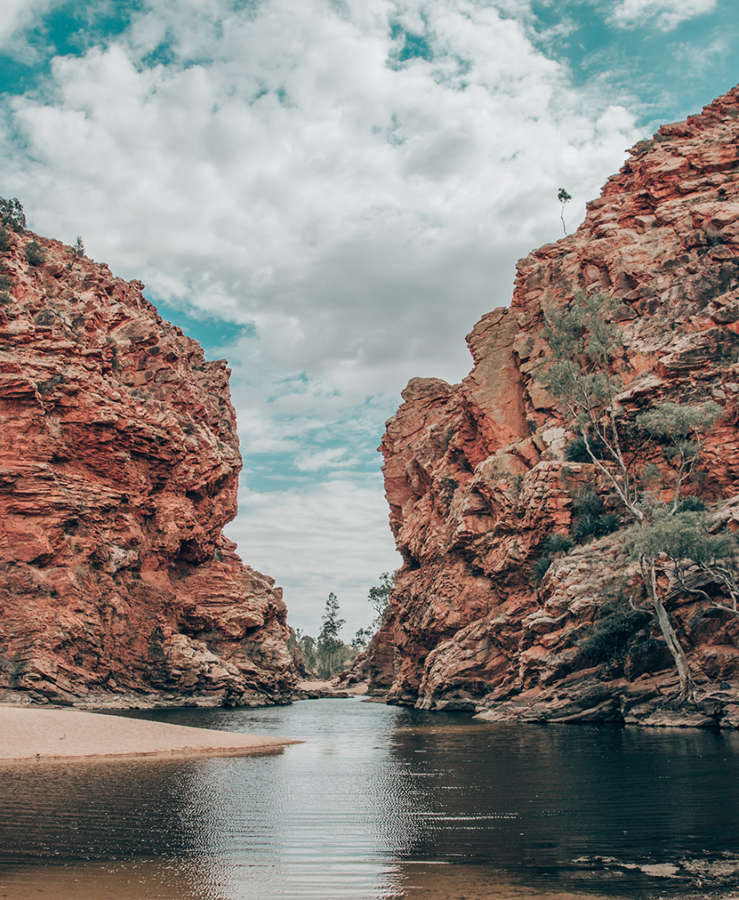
[{"x": 67, "y": 734}]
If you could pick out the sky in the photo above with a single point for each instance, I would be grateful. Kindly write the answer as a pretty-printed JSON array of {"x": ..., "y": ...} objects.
[{"x": 329, "y": 194}]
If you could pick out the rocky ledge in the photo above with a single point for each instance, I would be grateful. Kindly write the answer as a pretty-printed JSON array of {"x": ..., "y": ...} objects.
[
  {"x": 476, "y": 475},
  {"x": 119, "y": 465}
]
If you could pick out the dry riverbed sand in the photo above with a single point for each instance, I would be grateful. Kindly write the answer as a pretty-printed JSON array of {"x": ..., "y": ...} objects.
[{"x": 44, "y": 734}]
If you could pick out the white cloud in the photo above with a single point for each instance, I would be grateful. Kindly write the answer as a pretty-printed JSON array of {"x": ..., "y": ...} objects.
[
  {"x": 18, "y": 15},
  {"x": 285, "y": 168},
  {"x": 667, "y": 14},
  {"x": 332, "y": 458}
]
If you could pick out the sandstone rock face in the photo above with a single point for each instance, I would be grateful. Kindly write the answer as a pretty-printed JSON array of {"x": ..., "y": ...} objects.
[
  {"x": 119, "y": 464},
  {"x": 476, "y": 478}
]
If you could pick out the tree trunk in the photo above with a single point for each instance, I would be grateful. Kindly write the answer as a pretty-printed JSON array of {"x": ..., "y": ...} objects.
[{"x": 687, "y": 688}]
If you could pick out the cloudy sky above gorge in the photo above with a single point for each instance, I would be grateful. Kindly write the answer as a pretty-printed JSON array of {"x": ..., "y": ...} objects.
[{"x": 329, "y": 193}]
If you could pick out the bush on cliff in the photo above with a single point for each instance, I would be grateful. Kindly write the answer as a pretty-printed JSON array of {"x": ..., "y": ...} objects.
[
  {"x": 34, "y": 254},
  {"x": 586, "y": 355},
  {"x": 691, "y": 552},
  {"x": 590, "y": 518},
  {"x": 611, "y": 634},
  {"x": 576, "y": 451}
]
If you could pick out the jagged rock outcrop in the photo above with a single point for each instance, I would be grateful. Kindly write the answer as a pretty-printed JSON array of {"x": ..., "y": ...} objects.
[
  {"x": 476, "y": 478},
  {"x": 119, "y": 465}
]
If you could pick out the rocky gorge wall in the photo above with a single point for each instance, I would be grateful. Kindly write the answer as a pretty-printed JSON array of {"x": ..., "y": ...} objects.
[
  {"x": 476, "y": 478},
  {"x": 119, "y": 466}
]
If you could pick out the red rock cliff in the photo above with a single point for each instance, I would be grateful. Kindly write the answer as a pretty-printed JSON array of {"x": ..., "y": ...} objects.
[
  {"x": 476, "y": 478},
  {"x": 119, "y": 465}
]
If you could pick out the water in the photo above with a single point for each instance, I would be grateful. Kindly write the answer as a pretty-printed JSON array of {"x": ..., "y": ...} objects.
[{"x": 382, "y": 802}]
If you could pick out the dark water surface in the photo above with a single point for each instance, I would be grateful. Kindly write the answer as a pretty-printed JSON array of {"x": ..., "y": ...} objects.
[{"x": 382, "y": 802}]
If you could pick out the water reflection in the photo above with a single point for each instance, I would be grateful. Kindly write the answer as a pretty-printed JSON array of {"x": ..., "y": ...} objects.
[
  {"x": 564, "y": 806},
  {"x": 378, "y": 803}
]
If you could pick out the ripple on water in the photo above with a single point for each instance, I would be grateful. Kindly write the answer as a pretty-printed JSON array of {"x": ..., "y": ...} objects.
[{"x": 382, "y": 802}]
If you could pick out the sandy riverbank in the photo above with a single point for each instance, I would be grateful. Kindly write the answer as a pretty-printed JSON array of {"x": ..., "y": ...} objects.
[{"x": 45, "y": 734}]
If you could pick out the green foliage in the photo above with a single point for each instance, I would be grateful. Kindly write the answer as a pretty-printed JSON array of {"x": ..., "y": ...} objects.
[
  {"x": 6, "y": 283},
  {"x": 379, "y": 597},
  {"x": 307, "y": 648},
  {"x": 590, "y": 518},
  {"x": 691, "y": 504},
  {"x": 678, "y": 428},
  {"x": 682, "y": 536},
  {"x": 448, "y": 487},
  {"x": 577, "y": 451},
  {"x": 692, "y": 544},
  {"x": 12, "y": 215},
  {"x": 78, "y": 247},
  {"x": 329, "y": 643},
  {"x": 540, "y": 567},
  {"x": 611, "y": 634},
  {"x": 557, "y": 543},
  {"x": 587, "y": 351},
  {"x": 5, "y": 298},
  {"x": 361, "y": 639},
  {"x": 34, "y": 253},
  {"x": 595, "y": 527},
  {"x": 4, "y": 240},
  {"x": 584, "y": 347},
  {"x": 677, "y": 422}
]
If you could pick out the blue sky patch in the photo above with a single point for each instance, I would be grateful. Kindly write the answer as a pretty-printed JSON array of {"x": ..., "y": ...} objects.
[
  {"x": 67, "y": 30},
  {"x": 213, "y": 334},
  {"x": 666, "y": 75}
]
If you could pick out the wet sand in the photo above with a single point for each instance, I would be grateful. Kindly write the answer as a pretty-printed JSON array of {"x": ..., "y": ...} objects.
[{"x": 48, "y": 734}]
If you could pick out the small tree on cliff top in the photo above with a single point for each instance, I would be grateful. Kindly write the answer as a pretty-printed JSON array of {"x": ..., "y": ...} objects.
[
  {"x": 582, "y": 372},
  {"x": 564, "y": 198}
]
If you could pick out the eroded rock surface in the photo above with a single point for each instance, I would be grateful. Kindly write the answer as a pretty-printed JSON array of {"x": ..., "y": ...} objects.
[
  {"x": 476, "y": 478},
  {"x": 119, "y": 464}
]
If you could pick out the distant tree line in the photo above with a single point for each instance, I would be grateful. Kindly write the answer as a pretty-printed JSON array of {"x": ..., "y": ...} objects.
[{"x": 328, "y": 654}]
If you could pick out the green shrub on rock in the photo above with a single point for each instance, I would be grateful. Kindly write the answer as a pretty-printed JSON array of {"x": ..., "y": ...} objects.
[
  {"x": 611, "y": 634},
  {"x": 590, "y": 518},
  {"x": 34, "y": 254},
  {"x": 577, "y": 451}
]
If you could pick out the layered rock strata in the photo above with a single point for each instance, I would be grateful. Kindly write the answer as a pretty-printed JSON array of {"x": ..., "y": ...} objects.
[
  {"x": 476, "y": 477},
  {"x": 119, "y": 466}
]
